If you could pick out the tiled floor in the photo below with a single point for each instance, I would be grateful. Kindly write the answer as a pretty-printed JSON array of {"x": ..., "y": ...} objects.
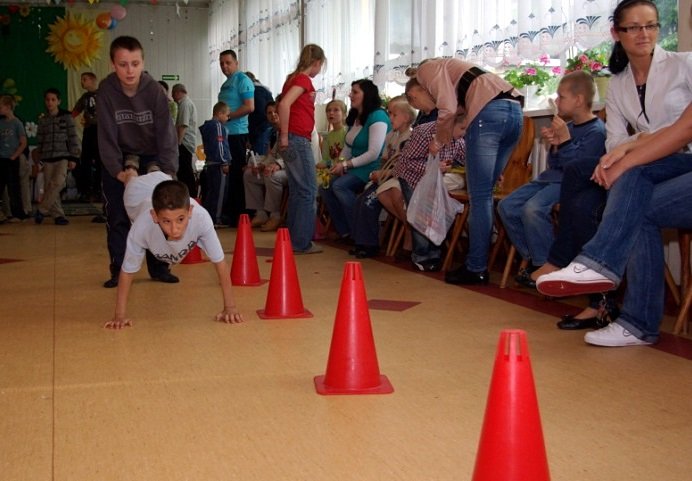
[{"x": 180, "y": 397}]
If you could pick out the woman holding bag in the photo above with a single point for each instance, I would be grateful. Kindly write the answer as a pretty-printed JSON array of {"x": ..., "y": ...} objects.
[{"x": 485, "y": 110}]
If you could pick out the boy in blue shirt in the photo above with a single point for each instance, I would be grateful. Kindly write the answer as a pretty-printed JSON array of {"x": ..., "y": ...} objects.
[
  {"x": 217, "y": 159},
  {"x": 527, "y": 212}
]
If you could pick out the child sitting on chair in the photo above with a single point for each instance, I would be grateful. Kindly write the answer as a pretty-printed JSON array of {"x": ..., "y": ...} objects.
[
  {"x": 169, "y": 224},
  {"x": 526, "y": 213}
]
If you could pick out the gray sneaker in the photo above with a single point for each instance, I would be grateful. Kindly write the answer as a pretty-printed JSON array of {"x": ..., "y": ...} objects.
[{"x": 313, "y": 249}]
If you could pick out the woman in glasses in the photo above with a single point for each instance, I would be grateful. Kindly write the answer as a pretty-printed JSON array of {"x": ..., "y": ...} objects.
[{"x": 649, "y": 91}]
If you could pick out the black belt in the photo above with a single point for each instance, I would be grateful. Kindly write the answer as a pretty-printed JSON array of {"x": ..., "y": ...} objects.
[{"x": 465, "y": 82}]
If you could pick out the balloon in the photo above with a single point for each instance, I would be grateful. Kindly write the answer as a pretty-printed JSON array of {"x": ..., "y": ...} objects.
[
  {"x": 118, "y": 12},
  {"x": 103, "y": 20},
  {"x": 114, "y": 23}
]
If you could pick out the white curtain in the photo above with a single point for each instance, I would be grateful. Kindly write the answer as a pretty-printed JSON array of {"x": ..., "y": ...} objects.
[{"x": 223, "y": 34}]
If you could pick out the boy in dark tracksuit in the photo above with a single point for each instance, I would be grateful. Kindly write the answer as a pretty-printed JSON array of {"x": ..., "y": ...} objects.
[
  {"x": 218, "y": 158},
  {"x": 58, "y": 149},
  {"x": 133, "y": 123}
]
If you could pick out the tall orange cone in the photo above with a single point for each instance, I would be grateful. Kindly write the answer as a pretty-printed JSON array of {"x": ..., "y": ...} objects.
[
  {"x": 195, "y": 254},
  {"x": 284, "y": 300},
  {"x": 511, "y": 446},
  {"x": 352, "y": 367},
  {"x": 244, "y": 268}
]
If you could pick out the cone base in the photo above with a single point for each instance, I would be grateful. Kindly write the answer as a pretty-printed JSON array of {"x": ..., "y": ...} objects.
[
  {"x": 193, "y": 261},
  {"x": 299, "y": 315},
  {"x": 385, "y": 387},
  {"x": 249, "y": 284}
]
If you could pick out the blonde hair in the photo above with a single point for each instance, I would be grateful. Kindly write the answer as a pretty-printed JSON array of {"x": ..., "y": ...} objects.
[
  {"x": 401, "y": 104},
  {"x": 310, "y": 54},
  {"x": 338, "y": 102}
]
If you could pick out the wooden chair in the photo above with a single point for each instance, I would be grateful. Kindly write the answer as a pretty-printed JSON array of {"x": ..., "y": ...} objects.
[{"x": 516, "y": 173}]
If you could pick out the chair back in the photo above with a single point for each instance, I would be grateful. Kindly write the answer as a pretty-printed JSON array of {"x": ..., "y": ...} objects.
[{"x": 518, "y": 170}]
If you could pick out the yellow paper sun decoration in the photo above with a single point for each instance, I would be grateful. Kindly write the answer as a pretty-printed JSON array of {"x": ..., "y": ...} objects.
[{"x": 74, "y": 41}]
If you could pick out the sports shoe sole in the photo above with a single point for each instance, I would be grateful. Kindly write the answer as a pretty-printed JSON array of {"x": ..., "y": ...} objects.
[{"x": 562, "y": 288}]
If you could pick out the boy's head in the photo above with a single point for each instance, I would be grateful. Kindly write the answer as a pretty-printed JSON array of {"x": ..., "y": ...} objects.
[
  {"x": 221, "y": 111},
  {"x": 401, "y": 114},
  {"x": 171, "y": 208},
  {"x": 51, "y": 98},
  {"x": 272, "y": 113},
  {"x": 88, "y": 81},
  {"x": 336, "y": 112},
  {"x": 575, "y": 94},
  {"x": 228, "y": 61},
  {"x": 7, "y": 104},
  {"x": 127, "y": 57},
  {"x": 418, "y": 97}
]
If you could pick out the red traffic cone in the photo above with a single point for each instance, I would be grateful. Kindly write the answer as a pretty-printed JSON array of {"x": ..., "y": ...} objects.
[
  {"x": 244, "y": 269},
  {"x": 511, "y": 446},
  {"x": 352, "y": 367},
  {"x": 284, "y": 299},
  {"x": 193, "y": 257}
]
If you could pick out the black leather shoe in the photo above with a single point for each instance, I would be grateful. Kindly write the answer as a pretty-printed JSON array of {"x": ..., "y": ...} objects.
[
  {"x": 363, "y": 252},
  {"x": 111, "y": 283},
  {"x": 524, "y": 279},
  {"x": 167, "y": 277},
  {"x": 464, "y": 276},
  {"x": 430, "y": 265},
  {"x": 569, "y": 323}
]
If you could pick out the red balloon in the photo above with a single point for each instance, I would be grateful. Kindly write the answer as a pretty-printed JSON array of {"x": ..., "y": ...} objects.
[{"x": 103, "y": 20}]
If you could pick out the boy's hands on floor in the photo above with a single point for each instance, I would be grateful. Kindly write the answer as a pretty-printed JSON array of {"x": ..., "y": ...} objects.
[
  {"x": 117, "y": 323},
  {"x": 230, "y": 315}
]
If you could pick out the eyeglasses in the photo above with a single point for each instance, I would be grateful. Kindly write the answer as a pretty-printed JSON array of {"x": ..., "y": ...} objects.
[{"x": 639, "y": 28}]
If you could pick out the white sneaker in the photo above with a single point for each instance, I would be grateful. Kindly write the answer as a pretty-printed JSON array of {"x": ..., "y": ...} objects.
[
  {"x": 573, "y": 280},
  {"x": 613, "y": 335}
]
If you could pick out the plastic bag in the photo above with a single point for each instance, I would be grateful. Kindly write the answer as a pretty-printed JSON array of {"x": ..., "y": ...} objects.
[{"x": 431, "y": 210}]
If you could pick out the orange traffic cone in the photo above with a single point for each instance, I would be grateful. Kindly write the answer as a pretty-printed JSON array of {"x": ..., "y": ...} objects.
[
  {"x": 511, "y": 446},
  {"x": 193, "y": 257},
  {"x": 244, "y": 269},
  {"x": 284, "y": 299},
  {"x": 352, "y": 367}
]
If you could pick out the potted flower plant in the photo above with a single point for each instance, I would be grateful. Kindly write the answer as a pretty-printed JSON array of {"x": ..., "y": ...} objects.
[
  {"x": 532, "y": 79},
  {"x": 593, "y": 62}
]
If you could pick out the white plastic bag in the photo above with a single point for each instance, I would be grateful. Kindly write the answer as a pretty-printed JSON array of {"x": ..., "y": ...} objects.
[{"x": 431, "y": 210}]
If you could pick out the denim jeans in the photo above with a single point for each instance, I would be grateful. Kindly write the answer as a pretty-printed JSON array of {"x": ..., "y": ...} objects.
[
  {"x": 490, "y": 139},
  {"x": 526, "y": 214},
  {"x": 340, "y": 200},
  {"x": 643, "y": 303},
  {"x": 423, "y": 248},
  {"x": 628, "y": 201},
  {"x": 302, "y": 191}
]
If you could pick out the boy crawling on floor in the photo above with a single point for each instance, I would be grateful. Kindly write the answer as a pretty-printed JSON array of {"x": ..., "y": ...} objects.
[{"x": 168, "y": 224}]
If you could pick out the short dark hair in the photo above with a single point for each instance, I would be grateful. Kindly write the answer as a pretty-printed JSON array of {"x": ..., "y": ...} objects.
[
  {"x": 229, "y": 52},
  {"x": 164, "y": 84},
  {"x": 89, "y": 74},
  {"x": 126, "y": 43},
  {"x": 271, "y": 103},
  {"x": 219, "y": 107},
  {"x": 53, "y": 91},
  {"x": 170, "y": 195}
]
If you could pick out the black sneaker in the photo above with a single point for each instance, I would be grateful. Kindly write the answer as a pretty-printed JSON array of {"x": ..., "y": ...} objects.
[
  {"x": 61, "y": 221},
  {"x": 111, "y": 283},
  {"x": 38, "y": 217},
  {"x": 166, "y": 277}
]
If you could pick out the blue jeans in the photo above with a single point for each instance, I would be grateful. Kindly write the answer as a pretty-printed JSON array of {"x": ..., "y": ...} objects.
[
  {"x": 526, "y": 214},
  {"x": 302, "y": 191},
  {"x": 423, "y": 248},
  {"x": 490, "y": 139},
  {"x": 628, "y": 201},
  {"x": 366, "y": 218},
  {"x": 340, "y": 200},
  {"x": 643, "y": 303},
  {"x": 581, "y": 205}
]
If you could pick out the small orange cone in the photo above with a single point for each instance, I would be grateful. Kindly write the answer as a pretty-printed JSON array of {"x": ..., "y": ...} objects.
[
  {"x": 244, "y": 268},
  {"x": 352, "y": 367},
  {"x": 193, "y": 257},
  {"x": 284, "y": 300},
  {"x": 511, "y": 446}
]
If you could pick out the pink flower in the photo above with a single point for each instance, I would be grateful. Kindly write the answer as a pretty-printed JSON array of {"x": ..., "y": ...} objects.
[
  {"x": 544, "y": 59},
  {"x": 530, "y": 71},
  {"x": 584, "y": 59},
  {"x": 596, "y": 66},
  {"x": 556, "y": 70}
]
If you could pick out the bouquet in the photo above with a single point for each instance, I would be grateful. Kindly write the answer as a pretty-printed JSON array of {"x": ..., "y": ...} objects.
[
  {"x": 590, "y": 61},
  {"x": 531, "y": 74}
]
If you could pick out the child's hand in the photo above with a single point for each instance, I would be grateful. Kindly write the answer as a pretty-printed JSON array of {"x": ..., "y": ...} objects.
[
  {"x": 117, "y": 323},
  {"x": 224, "y": 169},
  {"x": 230, "y": 315},
  {"x": 71, "y": 165},
  {"x": 560, "y": 129}
]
